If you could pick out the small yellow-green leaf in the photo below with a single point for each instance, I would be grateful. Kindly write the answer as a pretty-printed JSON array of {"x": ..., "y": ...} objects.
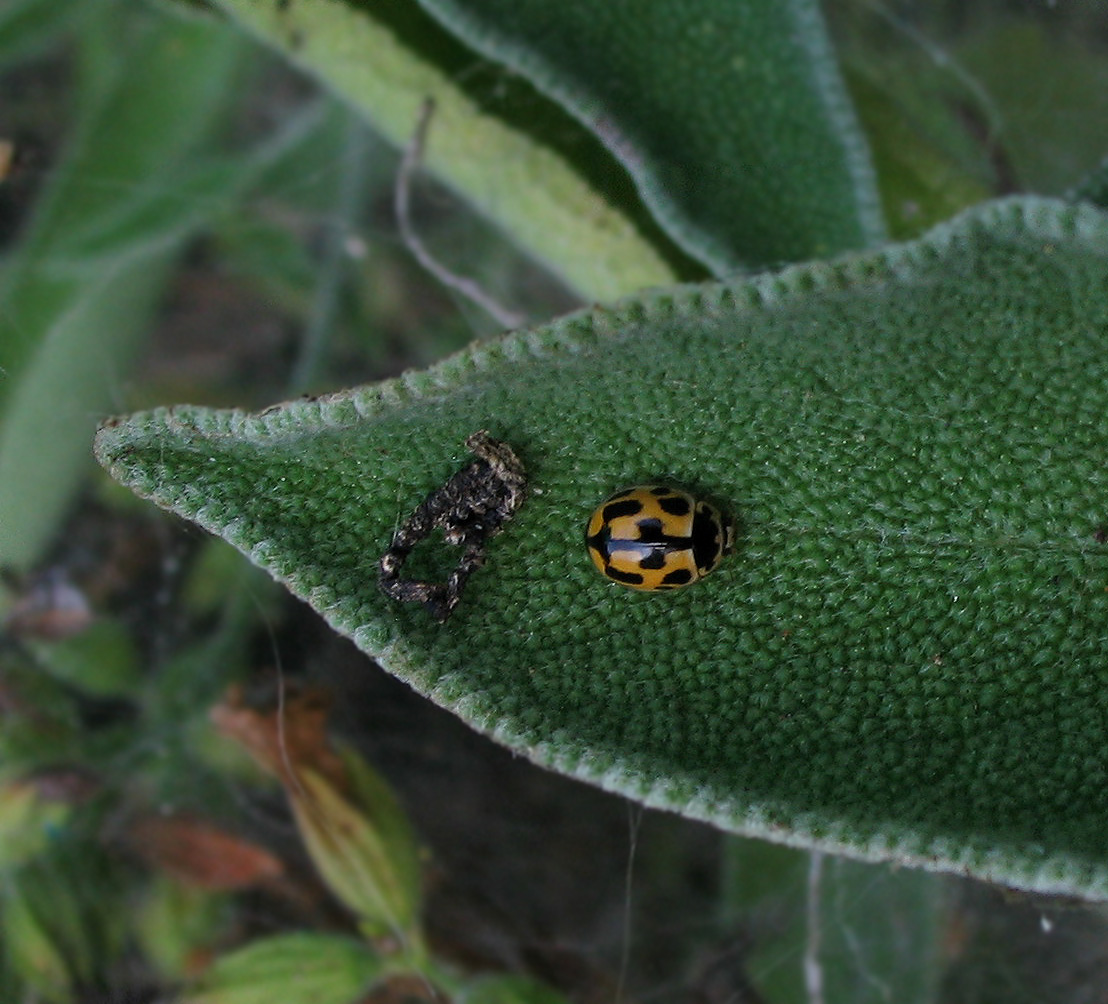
[
  {"x": 291, "y": 968},
  {"x": 76, "y": 292},
  {"x": 905, "y": 657},
  {"x": 401, "y": 875},
  {"x": 31, "y": 953},
  {"x": 177, "y": 922},
  {"x": 355, "y": 857},
  {"x": 26, "y": 821}
]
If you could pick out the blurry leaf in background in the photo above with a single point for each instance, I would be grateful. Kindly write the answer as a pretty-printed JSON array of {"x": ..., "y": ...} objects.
[
  {"x": 926, "y": 165},
  {"x": 65, "y": 919},
  {"x": 27, "y": 820},
  {"x": 731, "y": 117},
  {"x": 28, "y": 26},
  {"x": 516, "y": 157},
  {"x": 965, "y": 101},
  {"x": 304, "y": 968},
  {"x": 352, "y": 824},
  {"x": 923, "y": 115},
  {"x": 201, "y": 855},
  {"x": 1049, "y": 99},
  {"x": 872, "y": 933},
  {"x": 179, "y": 927},
  {"x": 79, "y": 288}
]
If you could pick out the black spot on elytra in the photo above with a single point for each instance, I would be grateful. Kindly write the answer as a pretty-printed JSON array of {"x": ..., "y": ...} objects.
[
  {"x": 707, "y": 542},
  {"x": 679, "y": 577},
  {"x": 600, "y": 541},
  {"x": 630, "y": 578},
  {"x": 650, "y": 531},
  {"x": 675, "y": 505},
  {"x": 618, "y": 509}
]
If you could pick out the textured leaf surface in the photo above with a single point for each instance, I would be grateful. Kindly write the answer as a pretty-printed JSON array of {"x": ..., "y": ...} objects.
[
  {"x": 730, "y": 116},
  {"x": 561, "y": 198},
  {"x": 906, "y": 656}
]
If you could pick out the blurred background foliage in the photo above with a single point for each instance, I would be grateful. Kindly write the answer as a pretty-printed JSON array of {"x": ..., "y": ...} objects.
[{"x": 184, "y": 217}]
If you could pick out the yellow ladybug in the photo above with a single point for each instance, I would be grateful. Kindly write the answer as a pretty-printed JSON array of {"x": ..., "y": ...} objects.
[{"x": 657, "y": 537}]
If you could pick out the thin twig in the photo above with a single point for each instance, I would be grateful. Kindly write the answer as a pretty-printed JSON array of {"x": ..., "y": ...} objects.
[
  {"x": 413, "y": 155},
  {"x": 634, "y": 825}
]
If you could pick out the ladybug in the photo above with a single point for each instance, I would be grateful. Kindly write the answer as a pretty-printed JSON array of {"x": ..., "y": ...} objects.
[{"x": 657, "y": 537}]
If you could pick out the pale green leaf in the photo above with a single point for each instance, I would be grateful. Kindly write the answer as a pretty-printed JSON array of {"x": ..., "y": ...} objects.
[
  {"x": 298, "y": 968},
  {"x": 78, "y": 290},
  {"x": 361, "y": 846},
  {"x": 904, "y": 659},
  {"x": 561, "y": 198},
  {"x": 27, "y": 26}
]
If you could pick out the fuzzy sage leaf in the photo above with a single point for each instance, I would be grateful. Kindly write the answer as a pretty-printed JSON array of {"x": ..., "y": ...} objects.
[{"x": 905, "y": 657}]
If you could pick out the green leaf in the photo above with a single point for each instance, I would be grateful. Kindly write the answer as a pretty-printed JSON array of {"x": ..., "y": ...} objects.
[
  {"x": 1094, "y": 187},
  {"x": 42, "y": 724},
  {"x": 1045, "y": 89},
  {"x": 929, "y": 167},
  {"x": 176, "y": 923},
  {"x": 731, "y": 117},
  {"x": 27, "y": 26},
  {"x": 362, "y": 846},
  {"x": 102, "y": 659},
  {"x": 293, "y": 968},
  {"x": 27, "y": 820},
  {"x": 64, "y": 918},
  {"x": 508, "y": 989},
  {"x": 904, "y": 659},
  {"x": 562, "y": 199},
  {"x": 77, "y": 292}
]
